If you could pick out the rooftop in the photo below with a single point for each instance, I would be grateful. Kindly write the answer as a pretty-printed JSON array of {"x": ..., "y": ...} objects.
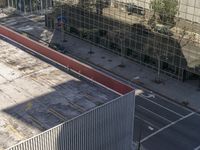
[{"x": 35, "y": 95}]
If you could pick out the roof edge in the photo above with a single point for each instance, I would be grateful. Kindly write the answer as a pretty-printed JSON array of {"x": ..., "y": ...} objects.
[{"x": 81, "y": 68}]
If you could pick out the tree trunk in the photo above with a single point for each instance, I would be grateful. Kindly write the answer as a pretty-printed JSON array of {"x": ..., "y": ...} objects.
[
  {"x": 158, "y": 73},
  {"x": 199, "y": 82}
]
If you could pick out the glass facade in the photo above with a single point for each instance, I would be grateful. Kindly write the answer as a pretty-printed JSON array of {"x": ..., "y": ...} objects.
[
  {"x": 30, "y": 6},
  {"x": 162, "y": 34}
]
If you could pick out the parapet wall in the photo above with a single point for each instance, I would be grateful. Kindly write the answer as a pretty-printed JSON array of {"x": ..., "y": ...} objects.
[
  {"x": 69, "y": 62},
  {"x": 106, "y": 127}
]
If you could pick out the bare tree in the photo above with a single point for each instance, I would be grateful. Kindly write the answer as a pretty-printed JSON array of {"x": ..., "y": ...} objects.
[
  {"x": 185, "y": 37},
  {"x": 158, "y": 53}
]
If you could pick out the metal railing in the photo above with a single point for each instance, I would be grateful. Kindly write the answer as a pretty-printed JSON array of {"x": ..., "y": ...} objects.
[{"x": 107, "y": 127}]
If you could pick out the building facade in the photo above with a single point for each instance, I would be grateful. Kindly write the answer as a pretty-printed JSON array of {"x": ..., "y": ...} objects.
[
  {"x": 30, "y": 6},
  {"x": 2, "y": 3},
  {"x": 167, "y": 40}
]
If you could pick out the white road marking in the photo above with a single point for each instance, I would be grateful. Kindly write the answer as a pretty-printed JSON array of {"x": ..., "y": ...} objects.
[
  {"x": 154, "y": 113},
  {"x": 197, "y": 148},
  {"x": 138, "y": 87},
  {"x": 150, "y": 128},
  {"x": 148, "y": 96},
  {"x": 162, "y": 106},
  {"x": 169, "y": 125},
  {"x": 173, "y": 103},
  {"x": 147, "y": 122},
  {"x": 161, "y": 97}
]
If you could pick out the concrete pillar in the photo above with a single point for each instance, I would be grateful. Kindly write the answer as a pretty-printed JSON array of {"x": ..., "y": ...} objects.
[
  {"x": 41, "y": 5},
  {"x": 30, "y": 6},
  {"x": 8, "y": 3},
  {"x": 111, "y": 3},
  {"x": 46, "y": 5},
  {"x": 20, "y": 6},
  {"x": 24, "y": 4},
  {"x": 12, "y": 3}
]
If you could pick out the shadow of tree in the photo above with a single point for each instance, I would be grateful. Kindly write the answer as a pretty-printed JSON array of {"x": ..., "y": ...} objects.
[{"x": 136, "y": 41}]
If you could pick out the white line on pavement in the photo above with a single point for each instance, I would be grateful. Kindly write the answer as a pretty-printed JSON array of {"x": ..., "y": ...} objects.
[
  {"x": 169, "y": 125},
  {"x": 197, "y": 148},
  {"x": 150, "y": 128},
  {"x": 162, "y": 106},
  {"x": 154, "y": 113},
  {"x": 147, "y": 122},
  {"x": 169, "y": 101}
]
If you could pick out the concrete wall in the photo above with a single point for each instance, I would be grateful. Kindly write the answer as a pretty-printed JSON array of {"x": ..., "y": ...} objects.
[{"x": 69, "y": 62}]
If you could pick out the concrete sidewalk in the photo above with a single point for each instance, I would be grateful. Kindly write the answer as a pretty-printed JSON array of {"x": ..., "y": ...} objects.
[
  {"x": 137, "y": 73},
  {"x": 170, "y": 88}
]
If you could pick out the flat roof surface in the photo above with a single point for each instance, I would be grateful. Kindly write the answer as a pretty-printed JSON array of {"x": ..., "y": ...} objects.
[{"x": 35, "y": 96}]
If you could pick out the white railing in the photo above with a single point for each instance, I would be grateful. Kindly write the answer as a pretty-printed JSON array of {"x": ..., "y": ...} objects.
[{"x": 107, "y": 127}]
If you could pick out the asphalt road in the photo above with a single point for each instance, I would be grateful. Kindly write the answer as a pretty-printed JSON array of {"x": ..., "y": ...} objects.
[{"x": 163, "y": 125}]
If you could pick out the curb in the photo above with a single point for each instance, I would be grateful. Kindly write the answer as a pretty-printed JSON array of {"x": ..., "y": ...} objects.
[
  {"x": 136, "y": 83},
  {"x": 111, "y": 72}
]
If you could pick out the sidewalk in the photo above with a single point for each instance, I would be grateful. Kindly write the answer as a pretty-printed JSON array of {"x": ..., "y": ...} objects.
[{"x": 170, "y": 88}]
